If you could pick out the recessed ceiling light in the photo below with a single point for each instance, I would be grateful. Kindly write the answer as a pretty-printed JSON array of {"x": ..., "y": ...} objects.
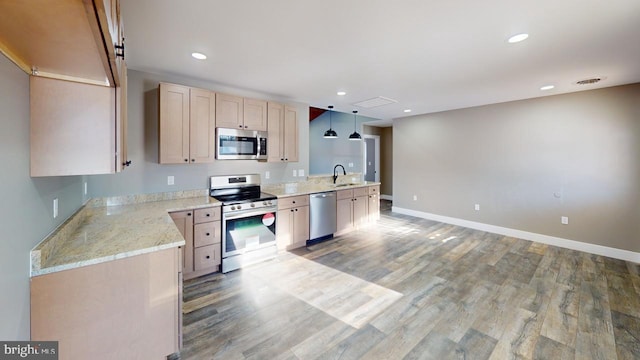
[
  {"x": 199, "y": 56},
  {"x": 517, "y": 38},
  {"x": 407, "y": 110},
  {"x": 342, "y": 93},
  {"x": 547, "y": 87}
]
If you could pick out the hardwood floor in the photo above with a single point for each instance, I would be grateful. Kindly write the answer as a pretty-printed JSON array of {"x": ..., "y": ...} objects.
[{"x": 409, "y": 288}]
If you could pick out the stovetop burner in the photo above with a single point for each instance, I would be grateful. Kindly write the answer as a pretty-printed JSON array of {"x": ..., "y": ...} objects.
[{"x": 231, "y": 190}]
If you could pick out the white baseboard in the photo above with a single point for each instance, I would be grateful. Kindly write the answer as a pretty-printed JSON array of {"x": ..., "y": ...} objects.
[
  {"x": 545, "y": 239},
  {"x": 386, "y": 197}
]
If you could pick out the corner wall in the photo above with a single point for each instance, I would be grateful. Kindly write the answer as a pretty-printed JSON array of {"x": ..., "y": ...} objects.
[
  {"x": 26, "y": 209},
  {"x": 527, "y": 163}
]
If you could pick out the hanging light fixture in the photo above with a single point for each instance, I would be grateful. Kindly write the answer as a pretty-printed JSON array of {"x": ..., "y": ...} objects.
[
  {"x": 330, "y": 134},
  {"x": 355, "y": 136}
]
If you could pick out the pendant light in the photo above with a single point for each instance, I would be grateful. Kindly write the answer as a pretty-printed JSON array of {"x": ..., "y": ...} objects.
[
  {"x": 355, "y": 136},
  {"x": 330, "y": 134}
]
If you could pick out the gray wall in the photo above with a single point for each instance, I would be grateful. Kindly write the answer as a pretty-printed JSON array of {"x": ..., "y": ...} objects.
[
  {"x": 324, "y": 154},
  {"x": 527, "y": 163},
  {"x": 26, "y": 210},
  {"x": 146, "y": 175},
  {"x": 386, "y": 156}
]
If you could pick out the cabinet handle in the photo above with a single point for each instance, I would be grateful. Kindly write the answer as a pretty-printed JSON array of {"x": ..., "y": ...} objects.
[
  {"x": 208, "y": 257},
  {"x": 286, "y": 159},
  {"x": 127, "y": 163},
  {"x": 208, "y": 234},
  {"x": 188, "y": 214},
  {"x": 240, "y": 126},
  {"x": 296, "y": 209},
  {"x": 208, "y": 214},
  {"x": 281, "y": 159},
  {"x": 245, "y": 126},
  {"x": 291, "y": 210},
  {"x": 186, "y": 160},
  {"x": 193, "y": 160}
]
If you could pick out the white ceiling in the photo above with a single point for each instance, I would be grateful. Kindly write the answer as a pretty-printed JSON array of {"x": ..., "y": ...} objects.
[{"x": 428, "y": 55}]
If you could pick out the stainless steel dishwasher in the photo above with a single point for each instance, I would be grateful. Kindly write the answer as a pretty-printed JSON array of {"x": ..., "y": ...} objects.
[{"x": 322, "y": 214}]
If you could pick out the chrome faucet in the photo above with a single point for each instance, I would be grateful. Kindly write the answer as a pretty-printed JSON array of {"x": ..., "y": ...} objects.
[{"x": 335, "y": 176}]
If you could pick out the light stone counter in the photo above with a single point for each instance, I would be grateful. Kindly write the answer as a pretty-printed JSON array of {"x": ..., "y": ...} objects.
[
  {"x": 114, "y": 228},
  {"x": 314, "y": 186}
]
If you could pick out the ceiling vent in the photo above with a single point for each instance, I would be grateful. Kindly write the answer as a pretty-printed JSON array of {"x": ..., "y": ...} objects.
[
  {"x": 375, "y": 102},
  {"x": 588, "y": 81}
]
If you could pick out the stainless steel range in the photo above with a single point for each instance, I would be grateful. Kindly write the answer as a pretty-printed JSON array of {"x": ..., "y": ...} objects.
[{"x": 248, "y": 220}]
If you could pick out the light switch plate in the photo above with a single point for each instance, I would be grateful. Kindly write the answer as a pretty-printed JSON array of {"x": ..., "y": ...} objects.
[
  {"x": 564, "y": 220},
  {"x": 85, "y": 188},
  {"x": 477, "y": 207},
  {"x": 55, "y": 208},
  {"x": 301, "y": 172},
  {"x": 295, "y": 173},
  {"x": 267, "y": 174},
  {"x": 170, "y": 180}
]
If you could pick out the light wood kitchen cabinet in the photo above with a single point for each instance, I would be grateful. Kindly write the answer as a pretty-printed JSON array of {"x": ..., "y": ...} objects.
[
  {"x": 75, "y": 128},
  {"x": 127, "y": 308},
  {"x": 292, "y": 222},
  {"x": 187, "y": 125},
  {"x": 374, "y": 203},
  {"x": 352, "y": 209},
  {"x": 235, "y": 112},
  {"x": 202, "y": 232},
  {"x": 282, "y": 144},
  {"x": 72, "y": 50}
]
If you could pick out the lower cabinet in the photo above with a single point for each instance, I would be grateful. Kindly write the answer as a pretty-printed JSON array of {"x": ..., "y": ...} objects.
[
  {"x": 127, "y": 308},
  {"x": 292, "y": 222},
  {"x": 352, "y": 209},
  {"x": 202, "y": 232}
]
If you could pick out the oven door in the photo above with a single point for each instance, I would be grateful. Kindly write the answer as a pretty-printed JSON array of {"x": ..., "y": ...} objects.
[{"x": 249, "y": 230}]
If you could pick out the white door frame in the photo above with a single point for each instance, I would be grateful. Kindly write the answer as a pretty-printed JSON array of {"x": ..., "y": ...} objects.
[{"x": 376, "y": 139}]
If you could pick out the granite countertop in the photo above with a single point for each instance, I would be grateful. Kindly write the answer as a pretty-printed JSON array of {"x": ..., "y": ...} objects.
[
  {"x": 115, "y": 228},
  {"x": 306, "y": 188}
]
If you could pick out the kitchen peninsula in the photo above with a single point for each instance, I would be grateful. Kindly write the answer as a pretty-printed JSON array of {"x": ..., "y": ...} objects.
[{"x": 113, "y": 271}]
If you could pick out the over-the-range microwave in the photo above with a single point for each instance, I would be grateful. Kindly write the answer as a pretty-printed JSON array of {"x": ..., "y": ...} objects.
[{"x": 233, "y": 144}]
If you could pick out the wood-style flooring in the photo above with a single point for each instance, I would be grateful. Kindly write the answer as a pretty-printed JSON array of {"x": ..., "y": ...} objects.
[{"x": 409, "y": 288}]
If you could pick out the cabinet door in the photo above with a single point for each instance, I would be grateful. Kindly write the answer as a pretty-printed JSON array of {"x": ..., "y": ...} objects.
[
  {"x": 184, "y": 223},
  {"x": 72, "y": 128},
  {"x": 121, "y": 121},
  {"x": 344, "y": 211},
  {"x": 275, "y": 141},
  {"x": 284, "y": 226},
  {"x": 300, "y": 226},
  {"x": 202, "y": 117},
  {"x": 374, "y": 207},
  {"x": 255, "y": 115},
  {"x": 360, "y": 210},
  {"x": 207, "y": 257},
  {"x": 229, "y": 111},
  {"x": 290, "y": 134},
  {"x": 174, "y": 124}
]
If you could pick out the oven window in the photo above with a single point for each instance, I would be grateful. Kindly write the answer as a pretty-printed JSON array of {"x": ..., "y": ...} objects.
[
  {"x": 238, "y": 145},
  {"x": 249, "y": 233}
]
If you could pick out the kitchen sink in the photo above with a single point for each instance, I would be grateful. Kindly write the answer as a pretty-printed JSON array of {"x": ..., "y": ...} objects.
[{"x": 342, "y": 185}]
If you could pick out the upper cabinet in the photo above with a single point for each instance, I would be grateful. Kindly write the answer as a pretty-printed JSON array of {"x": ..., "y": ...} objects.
[
  {"x": 235, "y": 112},
  {"x": 187, "y": 125},
  {"x": 76, "y": 40},
  {"x": 282, "y": 143},
  {"x": 74, "y": 51}
]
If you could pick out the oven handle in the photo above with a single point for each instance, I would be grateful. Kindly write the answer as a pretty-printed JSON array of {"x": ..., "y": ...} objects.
[{"x": 247, "y": 213}]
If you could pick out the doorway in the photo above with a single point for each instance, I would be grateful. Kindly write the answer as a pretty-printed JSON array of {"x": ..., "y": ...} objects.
[{"x": 371, "y": 160}]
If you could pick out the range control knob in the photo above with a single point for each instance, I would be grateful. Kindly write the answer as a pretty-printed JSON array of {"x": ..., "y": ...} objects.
[
  {"x": 264, "y": 203},
  {"x": 253, "y": 205},
  {"x": 233, "y": 207}
]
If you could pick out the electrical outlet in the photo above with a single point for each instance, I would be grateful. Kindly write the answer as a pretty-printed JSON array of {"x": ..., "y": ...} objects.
[
  {"x": 267, "y": 174},
  {"x": 170, "y": 180},
  {"x": 415, "y": 197},
  {"x": 350, "y": 164},
  {"x": 301, "y": 172},
  {"x": 477, "y": 207},
  {"x": 564, "y": 220},
  {"x": 85, "y": 188},
  {"x": 55, "y": 208},
  {"x": 295, "y": 173}
]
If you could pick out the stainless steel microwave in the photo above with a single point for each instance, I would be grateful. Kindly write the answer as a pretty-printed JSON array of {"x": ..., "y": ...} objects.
[{"x": 233, "y": 144}]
